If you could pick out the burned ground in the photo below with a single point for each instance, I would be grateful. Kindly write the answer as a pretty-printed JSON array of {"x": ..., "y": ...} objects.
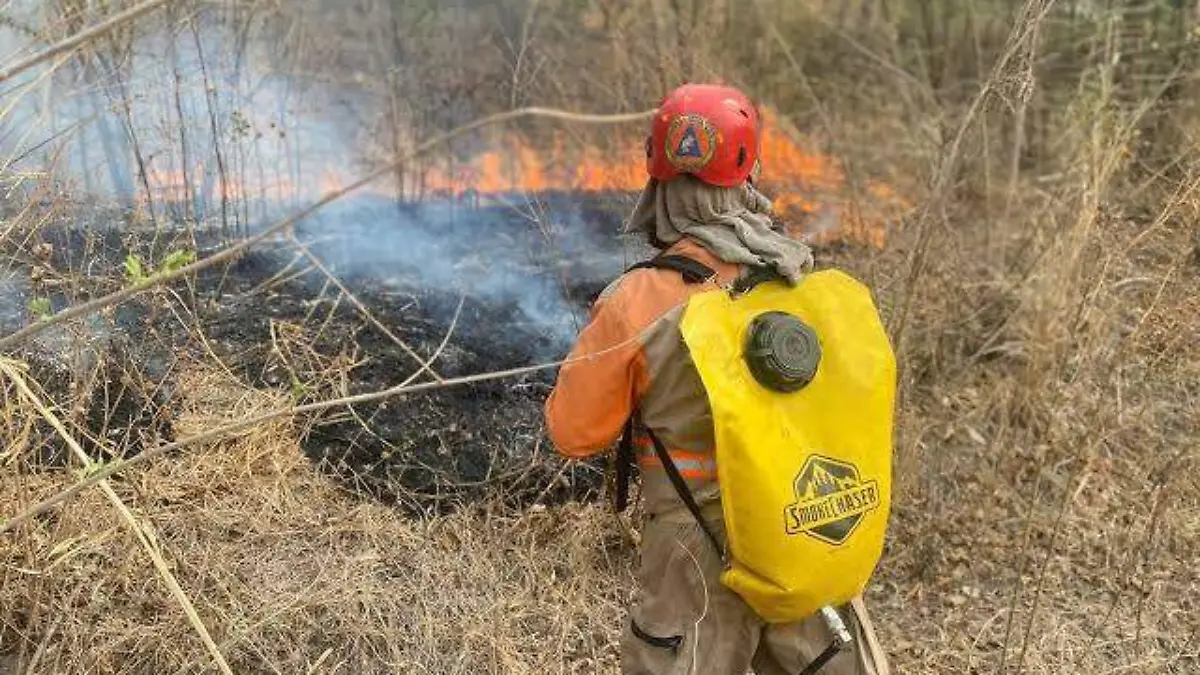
[
  {"x": 279, "y": 323},
  {"x": 428, "y": 449}
]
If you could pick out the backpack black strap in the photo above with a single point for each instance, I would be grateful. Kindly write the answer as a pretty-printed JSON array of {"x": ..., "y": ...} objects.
[
  {"x": 693, "y": 271},
  {"x": 823, "y": 658},
  {"x": 756, "y": 275},
  {"x": 624, "y": 468},
  {"x": 672, "y": 643},
  {"x": 684, "y": 493},
  {"x": 696, "y": 272}
]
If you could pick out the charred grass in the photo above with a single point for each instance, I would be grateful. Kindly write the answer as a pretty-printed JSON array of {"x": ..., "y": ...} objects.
[
  {"x": 1046, "y": 513},
  {"x": 1043, "y": 300},
  {"x": 302, "y": 575}
]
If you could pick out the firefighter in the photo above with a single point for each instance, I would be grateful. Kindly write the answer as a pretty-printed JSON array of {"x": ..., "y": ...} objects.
[{"x": 631, "y": 368}]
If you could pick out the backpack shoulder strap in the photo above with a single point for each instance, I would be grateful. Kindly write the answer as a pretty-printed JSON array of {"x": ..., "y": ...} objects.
[
  {"x": 756, "y": 275},
  {"x": 685, "y": 494},
  {"x": 693, "y": 271},
  {"x": 624, "y": 467},
  {"x": 696, "y": 272}
]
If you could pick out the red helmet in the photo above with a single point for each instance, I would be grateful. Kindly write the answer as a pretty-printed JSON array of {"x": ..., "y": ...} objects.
[{"x": 706, "y": 130}]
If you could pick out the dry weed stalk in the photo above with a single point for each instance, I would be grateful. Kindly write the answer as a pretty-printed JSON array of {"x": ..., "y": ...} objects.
[
  {"x": 143, "y": 532},
  {"x": 118, "y": 20}
]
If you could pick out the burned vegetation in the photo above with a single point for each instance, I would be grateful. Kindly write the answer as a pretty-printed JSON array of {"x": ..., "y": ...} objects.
[{"x": 354, "y": 301}]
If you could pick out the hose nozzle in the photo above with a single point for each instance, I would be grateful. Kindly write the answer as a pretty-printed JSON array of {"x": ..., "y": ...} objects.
[
  {"x": 834, "y": 622},
  {"x": 841, "y": 640}
]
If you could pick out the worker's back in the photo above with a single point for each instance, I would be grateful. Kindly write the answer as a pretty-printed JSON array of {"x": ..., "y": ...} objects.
[
  {"x": 634, "y": 346},
  {"x": 632, "y": 366}
]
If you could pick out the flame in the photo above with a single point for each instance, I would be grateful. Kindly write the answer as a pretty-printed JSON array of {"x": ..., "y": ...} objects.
[
  {"x": 174, "y": 186},
  {"x": 811, "y": 193},
  {"x": 810, "y": 189},
  {"x": 520, "y": 168}
]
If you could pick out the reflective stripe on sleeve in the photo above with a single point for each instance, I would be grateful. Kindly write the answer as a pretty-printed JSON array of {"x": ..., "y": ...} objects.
[{"x": 691, "y": 465}]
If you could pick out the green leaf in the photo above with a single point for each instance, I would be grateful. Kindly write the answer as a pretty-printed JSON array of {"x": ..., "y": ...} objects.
[
  {"x": 134, "y": 269},
  {"x": 91, "y": 468},
  {"x": 298, "y": 389},
  {"x": 177, "y": 259},
  {"x": 40, "y": 307}
]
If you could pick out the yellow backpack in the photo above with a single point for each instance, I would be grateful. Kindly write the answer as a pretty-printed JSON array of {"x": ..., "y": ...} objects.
[{"x": 804, "y": 451}]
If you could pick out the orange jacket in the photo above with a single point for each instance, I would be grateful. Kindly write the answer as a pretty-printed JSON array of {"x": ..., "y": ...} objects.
[{"x": 632, "y": 355}]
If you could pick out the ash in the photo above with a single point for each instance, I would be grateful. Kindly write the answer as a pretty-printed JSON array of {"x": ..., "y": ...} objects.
[{"x": 514, "y": 280}]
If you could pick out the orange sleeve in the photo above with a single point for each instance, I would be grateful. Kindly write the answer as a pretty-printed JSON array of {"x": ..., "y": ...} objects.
[{"x": 596, "y": 389}]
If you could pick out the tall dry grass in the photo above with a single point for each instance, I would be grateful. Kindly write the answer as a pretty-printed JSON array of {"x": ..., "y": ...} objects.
[
  {"x": 294, "y": 575},
  {"x": 1044, "y": 298}
]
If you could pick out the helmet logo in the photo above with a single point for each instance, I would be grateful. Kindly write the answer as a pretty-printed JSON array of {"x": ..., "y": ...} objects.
[
  {"x": 691, "y": 142},
  {"x": 688, "y": 145}
]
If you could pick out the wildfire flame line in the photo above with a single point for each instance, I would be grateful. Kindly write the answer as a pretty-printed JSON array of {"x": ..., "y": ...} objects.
[{"x": 810, "y": 189}]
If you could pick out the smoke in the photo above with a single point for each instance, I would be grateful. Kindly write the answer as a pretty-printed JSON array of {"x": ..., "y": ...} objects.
[
  {"x": 209, "y": 129},
  {"x": 14, "y": 299},
  {"x": 544, "y": 269},
  {"x": 824, "y": 222},
  {"x": 189, "y": 107}
]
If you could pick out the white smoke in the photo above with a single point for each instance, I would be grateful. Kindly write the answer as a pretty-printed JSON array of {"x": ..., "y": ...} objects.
[{"x": 218, "y": 105}]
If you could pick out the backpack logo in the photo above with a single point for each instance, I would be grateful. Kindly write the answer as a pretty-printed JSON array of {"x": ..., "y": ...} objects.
[
  {"x": 831, "y": 500},
  {"x": 691, "y": 142}
]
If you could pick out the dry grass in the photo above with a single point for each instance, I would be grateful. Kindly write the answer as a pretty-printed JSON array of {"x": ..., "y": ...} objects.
[
  {"x": 1047, "y": 513},
  {"x": 294, "y": 575},
  {"x": 1047, "y": 506}
]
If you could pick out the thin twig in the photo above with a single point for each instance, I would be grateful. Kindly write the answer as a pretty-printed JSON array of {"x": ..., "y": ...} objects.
[
  {"x": 1040, "y": 585},
  {"x": 404, "y": 387},
  {"x": 553, "y": 481},
  {"x": 445, "y": 340},
  {"x": 1022, "y": 555},
  {"x": 44, "y": 644},
  {"x": 12, "y": 340},
  {"x": 11, "y": 370},
  {"x": 367, "y": 314},
  {"x": 82, "y": 37},
  {"x": 426, "y": 366}
]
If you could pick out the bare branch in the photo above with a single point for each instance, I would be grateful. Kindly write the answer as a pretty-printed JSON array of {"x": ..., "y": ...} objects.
[{"x": 82, "y": 37}]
